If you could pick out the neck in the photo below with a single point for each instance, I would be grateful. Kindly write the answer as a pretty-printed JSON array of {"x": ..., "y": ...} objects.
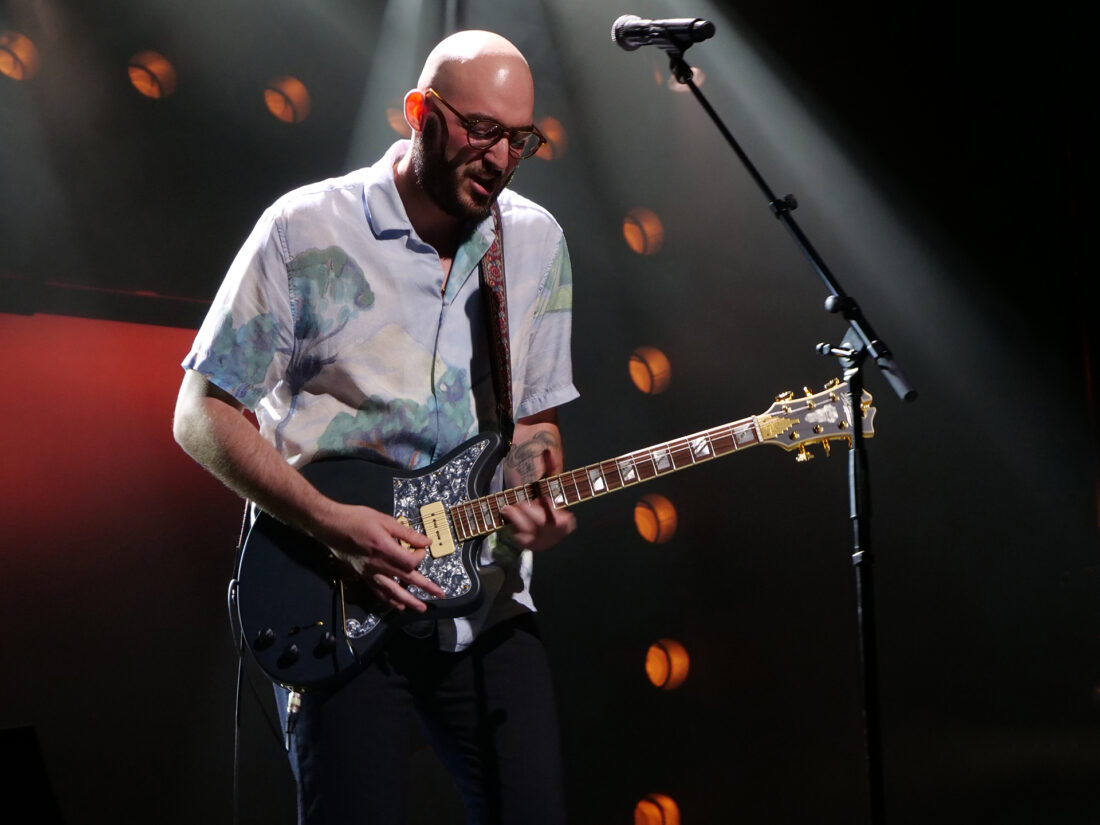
[{"x": 432, "y": 224}]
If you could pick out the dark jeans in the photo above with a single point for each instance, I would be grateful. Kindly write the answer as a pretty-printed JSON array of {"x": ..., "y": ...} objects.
[{"x": 488, "y": 712}]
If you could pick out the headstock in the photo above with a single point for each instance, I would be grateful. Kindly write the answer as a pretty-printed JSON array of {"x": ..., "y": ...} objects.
[{"x": 794, "y": 423}]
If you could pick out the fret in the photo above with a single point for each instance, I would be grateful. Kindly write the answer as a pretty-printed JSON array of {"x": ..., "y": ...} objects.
[
  {"x": 701, "y": 449},
  {"x": 628, "y": 472},
  {"x": 489, "y": 503},
  {"x": 557, "y": 494},
  {"x": 746, "y": 434},
  {"x": 487, "y": 514},
  {"x": 596, "y": 480},
  {"x": 468, "y": 521},
  {"x": 646, "y": 466},
  {"x": 580, "y": 484},
  {"x": 723, "y": 442},
  {"x": 611, "y": 475},
  {"x": 483, "y": 515},
  {"x": 462, "y": 525},
  {"x": 681, "y": 454},
  {"x": 662, "y": 460},
  {"x": 473, "y": 511},
  {"x": 570, "y": 480}
]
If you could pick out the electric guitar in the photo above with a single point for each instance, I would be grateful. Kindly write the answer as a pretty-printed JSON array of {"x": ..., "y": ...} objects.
[{"x": 309, "y": 625}]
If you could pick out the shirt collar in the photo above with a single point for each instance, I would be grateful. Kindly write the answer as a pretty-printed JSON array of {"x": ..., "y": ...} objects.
[
  {"x": 385, "y": 211},
  {"x": 382, "y": 204}
]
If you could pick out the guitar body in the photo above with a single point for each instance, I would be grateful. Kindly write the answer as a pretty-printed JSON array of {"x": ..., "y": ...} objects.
[{"x": 307, "y": 623}]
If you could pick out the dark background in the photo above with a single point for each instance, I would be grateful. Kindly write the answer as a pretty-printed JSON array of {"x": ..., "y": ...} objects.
[{"x": 937, "y": 154}]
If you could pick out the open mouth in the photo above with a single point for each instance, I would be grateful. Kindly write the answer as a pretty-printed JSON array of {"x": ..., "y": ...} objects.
[{"x": 485, "y": 187}]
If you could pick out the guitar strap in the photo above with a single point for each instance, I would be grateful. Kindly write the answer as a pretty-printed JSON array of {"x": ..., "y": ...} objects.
[{"x": 496, "y": 313}]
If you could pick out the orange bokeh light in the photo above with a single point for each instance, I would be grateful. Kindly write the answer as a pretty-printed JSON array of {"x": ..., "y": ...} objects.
[
  {"x": 655, "y": 518},
  {"x": 666, "y": 664},
  {"x": 643, "y": 231},
  {"x": 395, "y": 116},
  {"x": 18, "y": 56},
  {"x": 152, "y": 74},
  {"x": 657, "y": 809},
  {"x": 650, "y": 370},
  {"x": 557, "y": 139},
  {"x": 288, "y": 99}
]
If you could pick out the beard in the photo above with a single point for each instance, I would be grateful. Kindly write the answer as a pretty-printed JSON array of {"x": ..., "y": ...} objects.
[{"x": 442, "y": 180}]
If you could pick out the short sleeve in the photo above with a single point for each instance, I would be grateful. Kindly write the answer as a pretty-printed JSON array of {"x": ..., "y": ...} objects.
[
  {"x": 548, "y": 378},
  {"x": 245, "y": 342}
]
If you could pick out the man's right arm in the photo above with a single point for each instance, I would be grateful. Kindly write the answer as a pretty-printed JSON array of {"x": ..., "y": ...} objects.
[{"x": 210, "y": 426}]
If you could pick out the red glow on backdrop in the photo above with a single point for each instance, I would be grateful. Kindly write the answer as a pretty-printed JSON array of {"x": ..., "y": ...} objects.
[{"x": 88, "y": 450}]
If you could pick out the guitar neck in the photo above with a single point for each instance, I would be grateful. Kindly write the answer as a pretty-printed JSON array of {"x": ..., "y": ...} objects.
[{"x": 481, "y": 516}]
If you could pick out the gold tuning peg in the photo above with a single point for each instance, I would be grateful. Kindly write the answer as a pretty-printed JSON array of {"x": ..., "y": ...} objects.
[
  {"x": 827, "y": 447},
  {"x": 803, "y": 454},
  {"x": 832, "y": 382},
  {"x": 785, "y": 396}
]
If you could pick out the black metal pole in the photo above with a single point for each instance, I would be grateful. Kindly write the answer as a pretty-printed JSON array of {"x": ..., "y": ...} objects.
[{"x": 860, "y": 342}]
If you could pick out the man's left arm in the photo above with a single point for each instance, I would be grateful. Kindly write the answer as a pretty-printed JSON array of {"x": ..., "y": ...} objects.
[{"x": 536, "y": 453}]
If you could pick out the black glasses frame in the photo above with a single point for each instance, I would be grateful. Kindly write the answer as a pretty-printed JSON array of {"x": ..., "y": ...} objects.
[{"x": 519, "y": 140}]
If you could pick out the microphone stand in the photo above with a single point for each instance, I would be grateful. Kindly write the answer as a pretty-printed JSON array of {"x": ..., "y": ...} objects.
[{"x": 859, "y": 343}]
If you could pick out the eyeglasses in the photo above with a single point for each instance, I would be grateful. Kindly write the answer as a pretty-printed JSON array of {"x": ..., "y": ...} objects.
[{"x": 481, "y": 133}]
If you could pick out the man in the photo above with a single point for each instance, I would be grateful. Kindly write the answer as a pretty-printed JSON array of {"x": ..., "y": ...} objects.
[{"x": 351, "y": 322}]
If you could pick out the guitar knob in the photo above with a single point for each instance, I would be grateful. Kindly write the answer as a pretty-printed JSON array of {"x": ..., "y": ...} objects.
[
  {"x": 289, "y": 657},
  {"x": 265, "y": 639}
]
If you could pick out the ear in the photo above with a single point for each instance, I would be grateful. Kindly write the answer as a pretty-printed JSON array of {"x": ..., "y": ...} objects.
[{"x": 414, "y": 109}]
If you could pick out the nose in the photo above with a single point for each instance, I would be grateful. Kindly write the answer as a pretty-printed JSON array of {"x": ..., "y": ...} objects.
[{"x": 498, "y": 154}]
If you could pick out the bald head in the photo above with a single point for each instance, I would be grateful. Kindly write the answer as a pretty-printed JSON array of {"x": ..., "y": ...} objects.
[
  {"x": 480, "y": 60},
  {"x": 447, "y": 181}
]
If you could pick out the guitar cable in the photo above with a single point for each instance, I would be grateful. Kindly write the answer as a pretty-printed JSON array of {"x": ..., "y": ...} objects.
[{"x": 243, "y": 675}]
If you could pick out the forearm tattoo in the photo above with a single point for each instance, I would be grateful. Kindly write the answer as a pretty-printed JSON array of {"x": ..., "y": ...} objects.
[{"x": 527, "y": 461}]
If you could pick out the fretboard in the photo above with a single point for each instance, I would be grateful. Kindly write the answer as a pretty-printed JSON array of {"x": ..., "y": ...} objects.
[{"x": 481, "y": 516}]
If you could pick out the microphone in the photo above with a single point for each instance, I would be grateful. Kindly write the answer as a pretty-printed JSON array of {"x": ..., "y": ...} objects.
[{"x": 631, "y": 31}]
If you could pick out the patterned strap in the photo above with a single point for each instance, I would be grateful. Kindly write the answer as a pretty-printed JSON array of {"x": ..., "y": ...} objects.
[{"x": 496, "y": 312}]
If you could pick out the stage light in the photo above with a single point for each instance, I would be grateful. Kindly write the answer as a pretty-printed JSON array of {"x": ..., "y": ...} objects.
[
  {"x": 643, "y": 231},
  {"x": 656, "y": 809},
  {"x": 666, "y": 664},
  {"x": 557, "y": 139},
  {"x": 655, "y": 518},
  {"x": 650, "y": 370},
  {"x": 18, "y": 56},
  {"x": 288, "y": 99},
  {"x": 152, "y": 74}
]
